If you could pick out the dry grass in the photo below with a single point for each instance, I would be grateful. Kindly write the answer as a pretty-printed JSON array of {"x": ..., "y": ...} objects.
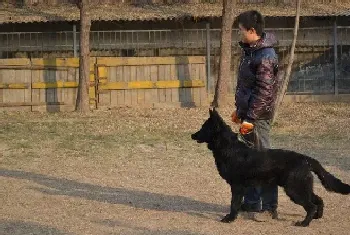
[{"x": 137, "y": 172}]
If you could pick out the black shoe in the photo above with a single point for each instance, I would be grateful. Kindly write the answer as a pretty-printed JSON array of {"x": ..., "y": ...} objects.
[{"x": 273, "y": 213}]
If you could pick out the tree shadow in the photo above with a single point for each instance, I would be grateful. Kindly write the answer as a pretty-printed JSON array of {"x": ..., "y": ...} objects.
[
  {"x": 50, "y": 76},
  {"x": 184, "y": 74},
  {"x": 20, "y": 227},
  {"x": 130, "y": 197}
]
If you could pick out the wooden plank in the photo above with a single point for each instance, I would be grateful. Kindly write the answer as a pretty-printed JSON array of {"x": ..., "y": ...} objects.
[
  {"x": 9, "y": 78},
  {"x": 5, "y": 74},
  {"x": 76, "y": 90},
  {"x": 33, "y": 67},
  {"x": 14, "y": 85},
  {"x": 104, "y": 98},
  {"x": 132, "y": 61},
  {"x": 70, "y": 94},
  {"x": 140, "y": 75},
  {"x": 147, "y": 92},
  {"x": 120, "y": 93},
  {"x": 28, "y": 91},
  {"x": 181, "y": 78},
  {"x": 60, "y": 62},
  {"x": 50, "y": 78},
  {"x": 167, "y": 77},
  {"x": 35, "y": 92},
  {"x": 102, "y": 72},
  {"x": 112, "y": 77},
  {"x": 192, "y": 73},
  {"x": 154, "y": 78},
  {"x": 161, "y": 92},
  {"x": 203, "y": 90},
  {"x": 92, "y": 88},
  {"x": 126, "y": 78},
  {"x": 14, "y": 62},
  {"x": 42, "y": 92},
  {"x": 18, "y": 94},
  {"x": 53, "y": 85},
  {"x": 150, "y": 84},
  {"x": 196, "y": 75},
  {"x": 61, "y": 75},
  {"x": 133, "y": 80},
  {"x": 188, "y": 91},
  {"x": 174, "y": 77}
]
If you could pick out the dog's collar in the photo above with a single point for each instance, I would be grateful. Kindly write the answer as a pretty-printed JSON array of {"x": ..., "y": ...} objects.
[{"x": 241, "y": 138}]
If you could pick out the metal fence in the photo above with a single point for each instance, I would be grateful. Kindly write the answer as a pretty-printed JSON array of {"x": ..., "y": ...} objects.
[
  {"x": 140, "y": 40},
  {"x": 315, "y": 70}
]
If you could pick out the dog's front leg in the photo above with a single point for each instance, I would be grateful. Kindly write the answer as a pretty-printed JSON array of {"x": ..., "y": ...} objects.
[{"x": 236, "y": 200}]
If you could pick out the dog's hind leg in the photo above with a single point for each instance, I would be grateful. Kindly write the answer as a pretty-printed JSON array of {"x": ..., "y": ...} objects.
[
  {"x": 299, "y": 189},
  {"x": 236, "y": 200},
  {"x": 317, "y": 200}
]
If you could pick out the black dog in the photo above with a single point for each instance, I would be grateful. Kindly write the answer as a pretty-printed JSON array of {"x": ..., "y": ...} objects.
[{"x": 241, "y": 167}]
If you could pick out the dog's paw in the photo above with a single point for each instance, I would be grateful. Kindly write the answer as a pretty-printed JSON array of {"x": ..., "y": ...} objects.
[
  {"x": 318, "y": 215},
  {"x": 301, "y": 224},
  {"x": 228, "y": 218}
]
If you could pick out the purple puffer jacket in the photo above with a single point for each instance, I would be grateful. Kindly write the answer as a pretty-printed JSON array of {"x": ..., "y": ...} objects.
[{"x": 257, "y": 83}]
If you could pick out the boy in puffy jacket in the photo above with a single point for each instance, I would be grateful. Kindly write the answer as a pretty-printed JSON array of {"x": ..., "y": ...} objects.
[{"x": 255, "y": 97}]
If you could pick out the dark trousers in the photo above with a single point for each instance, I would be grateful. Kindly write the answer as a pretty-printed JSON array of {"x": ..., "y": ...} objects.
[{"x": 264, "y": 197}]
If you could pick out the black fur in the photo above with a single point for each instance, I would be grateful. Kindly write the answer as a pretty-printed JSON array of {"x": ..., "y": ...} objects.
[{"x": 241, "y": 167}]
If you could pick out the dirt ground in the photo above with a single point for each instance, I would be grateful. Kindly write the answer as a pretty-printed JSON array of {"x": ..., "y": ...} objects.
[{"x": 131, "y": 171}]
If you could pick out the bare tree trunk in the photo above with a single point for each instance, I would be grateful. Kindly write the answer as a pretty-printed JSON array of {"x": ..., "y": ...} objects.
[
  {"x": 84, "y": 68},
  {"x": 225, "y": 53},
  {"x": 286, "y": 79}
]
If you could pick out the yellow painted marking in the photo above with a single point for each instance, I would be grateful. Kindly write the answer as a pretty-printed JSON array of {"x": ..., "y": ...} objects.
[
  {"x": 13, "y": 86},
  {"x": 15, "y": 62},
  {"x": 112, "y": 61},
  {"x": 67, "y": 62},
  {"x": 150, "y": 84},
  {"x": 58, "y": 84}
]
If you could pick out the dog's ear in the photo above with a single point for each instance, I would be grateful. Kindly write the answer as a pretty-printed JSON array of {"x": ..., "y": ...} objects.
[{"x": 212, "y": 111}]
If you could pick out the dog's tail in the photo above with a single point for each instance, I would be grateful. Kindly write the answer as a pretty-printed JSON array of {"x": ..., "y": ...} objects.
[{"x": 329, "y": 181}]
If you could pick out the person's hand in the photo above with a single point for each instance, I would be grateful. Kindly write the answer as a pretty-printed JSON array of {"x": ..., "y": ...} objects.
[
  {"x": 246, "y": 128},
  {"x": 235, "y": 118}
]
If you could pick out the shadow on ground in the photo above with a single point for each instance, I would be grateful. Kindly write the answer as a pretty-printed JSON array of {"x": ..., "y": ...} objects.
[
  {"x": 20, "y": 227},
  {"x": 124, "y": 196}
]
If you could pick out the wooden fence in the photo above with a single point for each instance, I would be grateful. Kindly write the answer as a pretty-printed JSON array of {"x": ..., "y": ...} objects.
[
  {"x": 51, "y": 84},
  {"x": 178, "y": 81}
]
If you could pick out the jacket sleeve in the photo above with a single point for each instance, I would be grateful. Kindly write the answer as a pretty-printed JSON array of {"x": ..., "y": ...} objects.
[{"x": 262, "y": 94}]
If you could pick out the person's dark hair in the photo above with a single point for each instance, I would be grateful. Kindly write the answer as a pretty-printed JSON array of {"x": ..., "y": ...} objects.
[{"x": 250, "y": 20}]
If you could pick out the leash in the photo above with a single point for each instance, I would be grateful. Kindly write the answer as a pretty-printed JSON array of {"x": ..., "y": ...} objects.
[{"x": 249, "y": 144}]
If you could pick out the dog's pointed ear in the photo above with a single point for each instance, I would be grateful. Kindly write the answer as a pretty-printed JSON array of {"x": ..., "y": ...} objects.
[{"x": 210, "y": 112}]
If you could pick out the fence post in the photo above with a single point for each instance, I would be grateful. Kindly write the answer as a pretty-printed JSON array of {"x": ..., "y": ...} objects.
[
  {"x": 335, "y": 39},
  {"x": 208, "y": 54},
  {"x": 75, "y": 50}
]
